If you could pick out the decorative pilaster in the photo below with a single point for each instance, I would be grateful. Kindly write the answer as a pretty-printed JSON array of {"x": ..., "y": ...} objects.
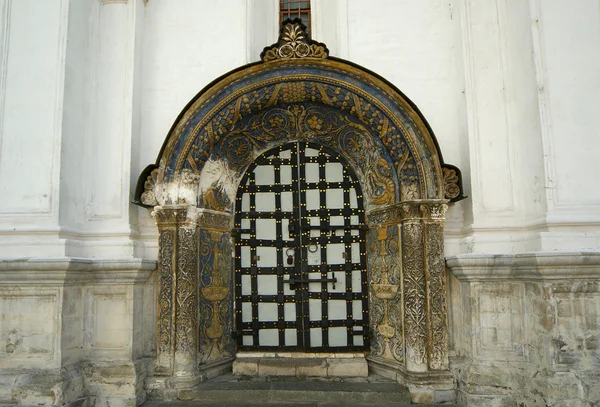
[
  {"x": 215, "y": 264},
  {"x": 424, "y": 278},
  {"x": 414, "y": 287},
  {"x": 435, "y": 275},
  {"x": 177, "y": 340}
]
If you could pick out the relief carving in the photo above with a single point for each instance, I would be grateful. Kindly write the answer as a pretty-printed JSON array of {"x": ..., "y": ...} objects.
[
  {"x": 415, "y": 313},
  {"x": 294, "y": 43},
  {"x": 385, "y": 301},
  {"x": 165, "y": 300},
  {"x": 312, "y": 123},
  {"x": 148, "y": 197},
  {"x": 187, "y": 293},
  {"x": 215, "y": 302},
  {"x": 438, "y": 359},
  {"x": 451, "y": 183},
  {"x": 177, "y": 291}
]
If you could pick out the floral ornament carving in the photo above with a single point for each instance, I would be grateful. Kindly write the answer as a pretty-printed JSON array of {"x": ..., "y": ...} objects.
[
  {"x": 165, "y": 300},
  {"x": 438, "y": 358},
  {"x": 294, "y": 43},
  {"x": 451, "y": 183},
  {"x": 216, "y": 198},
  {"x": 415, "y": 313},
  {"x": 310, "y": 122},
  {"x": 148, "y": 196},
  {"x": 215, "y": 301},
  {"x": 385, "y": 301},
  {"x": 187, "y": 293}
]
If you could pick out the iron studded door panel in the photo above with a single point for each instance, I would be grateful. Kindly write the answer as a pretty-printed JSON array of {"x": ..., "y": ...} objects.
[{"x": 300, "y": 277}]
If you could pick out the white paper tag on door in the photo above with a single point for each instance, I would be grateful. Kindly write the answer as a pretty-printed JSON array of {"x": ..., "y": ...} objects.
[{"x": 313, "y": 258}]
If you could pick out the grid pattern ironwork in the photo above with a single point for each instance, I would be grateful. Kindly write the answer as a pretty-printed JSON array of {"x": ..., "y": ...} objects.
[
  {"x": 290, "y": 9},
  {"x": 300, "y": 280}
]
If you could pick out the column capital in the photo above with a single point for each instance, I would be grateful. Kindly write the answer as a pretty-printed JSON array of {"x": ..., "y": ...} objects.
[
  {"x": 181, "y": 215},
  {"x": 421, "y": 209},
  {"x": 424, "y": 210}
]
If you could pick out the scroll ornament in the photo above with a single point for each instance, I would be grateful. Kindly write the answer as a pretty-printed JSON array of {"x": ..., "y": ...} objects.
[
  {"x": 451, "y": 180},
  {"x": 294, "y": 43}
]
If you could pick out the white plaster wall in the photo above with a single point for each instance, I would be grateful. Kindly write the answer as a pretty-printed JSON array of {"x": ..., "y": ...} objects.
[
  {"x": 506, "y": 208},
  {"x": 97, "y": 218},
  {"x": 416, "y": 46},
  {"x": 567, "y": 55},
  {"x": 31, "y": 105},
  {"x": 31, "y": 89},
  {"x": 187, "y": 44}
]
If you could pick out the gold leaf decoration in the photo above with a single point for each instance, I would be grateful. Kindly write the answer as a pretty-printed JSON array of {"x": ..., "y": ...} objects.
[{"x": 294, "y": 43}]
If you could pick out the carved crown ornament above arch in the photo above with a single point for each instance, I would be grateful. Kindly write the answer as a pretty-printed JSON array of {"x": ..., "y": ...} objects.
[{"x": 298, "y": 92}]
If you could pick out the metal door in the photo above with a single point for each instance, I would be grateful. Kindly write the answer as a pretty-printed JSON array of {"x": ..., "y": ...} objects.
[{"x": 300, "y": 267}]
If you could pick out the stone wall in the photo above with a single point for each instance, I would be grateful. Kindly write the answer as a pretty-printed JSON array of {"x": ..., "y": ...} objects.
[
  {"x": 525, "y": 329},
  {"x": 76, "y": 329}
]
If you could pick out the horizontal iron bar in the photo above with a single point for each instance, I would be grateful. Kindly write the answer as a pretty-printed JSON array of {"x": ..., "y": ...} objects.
[
  {"x": 333, "y": 227},
  {"x": 308, "y": 280}
]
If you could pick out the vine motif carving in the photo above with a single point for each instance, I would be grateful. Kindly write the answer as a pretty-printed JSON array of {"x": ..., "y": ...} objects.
[
  {"x": 165, "y": 296},
  {"x": 170, "y": 216},
  {"x": 434, "y": 211},
  {"x": 437, "y": 297},
  {"x": 294, "y": 43},
  {"x": 414, "y": 293},
  {"x": 385, "y": 301},
  {"x": 215, "y": 220},
  {"x": 451, "y": 183},
  {"x": 215, "y": 198},
  {"x": 215, "y": 300},
  {"x": 305, "y": 110},
  {"x": 390, "y": 215},
  {"x": 313, "y": 123},
  {"x": 148, "y": 197},
  {"x": 187, "y": 292}
]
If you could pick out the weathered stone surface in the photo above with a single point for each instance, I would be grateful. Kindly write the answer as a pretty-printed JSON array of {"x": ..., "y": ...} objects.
[
  {"x": 348, "y": 367},
  {"x": 277, "y": 367},
  {"x": 422, "y": 396},
  {"x": 525, "y": 331},
  {"x": 246, "y": 366},
  {"x": 311, "y": 367}
]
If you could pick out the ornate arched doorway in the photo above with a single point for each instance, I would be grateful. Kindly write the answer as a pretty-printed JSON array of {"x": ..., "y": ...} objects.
[{"x": 298, "y": 94}]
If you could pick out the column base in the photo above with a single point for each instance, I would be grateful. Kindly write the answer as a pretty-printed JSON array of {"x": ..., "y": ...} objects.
[
  {"x": 425, "y": 388},
  {"x": 215, "y": 369}
]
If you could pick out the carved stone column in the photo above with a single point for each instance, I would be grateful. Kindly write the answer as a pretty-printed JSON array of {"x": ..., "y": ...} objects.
[
  {"x": 177, "y": 338},
  {"x": 414, "y": 287},
  {"x": 424, "y": 286},
  {"x": 418, "y": 326},
  {"x": 435, "y": 277}
]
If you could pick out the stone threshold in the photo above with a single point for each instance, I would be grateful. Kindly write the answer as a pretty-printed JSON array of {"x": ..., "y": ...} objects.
[{"x": 312, "y": 366}]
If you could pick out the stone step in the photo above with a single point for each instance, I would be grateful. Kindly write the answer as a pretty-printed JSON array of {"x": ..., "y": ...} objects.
[
  {"x": 301, "y": 367},
  {"x": 233, "y": 390},
  {"x": 280, "y": 404}
]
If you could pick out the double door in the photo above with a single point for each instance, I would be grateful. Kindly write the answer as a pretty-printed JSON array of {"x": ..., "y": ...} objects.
[{"x": 300, "y": 266}]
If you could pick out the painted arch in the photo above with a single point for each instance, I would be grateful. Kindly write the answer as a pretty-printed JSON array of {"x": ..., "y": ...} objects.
[{"x": 298, "y": 92}]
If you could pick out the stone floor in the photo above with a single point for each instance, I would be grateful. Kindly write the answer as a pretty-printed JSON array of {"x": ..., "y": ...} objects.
[{"x": 237, "y": 391}]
